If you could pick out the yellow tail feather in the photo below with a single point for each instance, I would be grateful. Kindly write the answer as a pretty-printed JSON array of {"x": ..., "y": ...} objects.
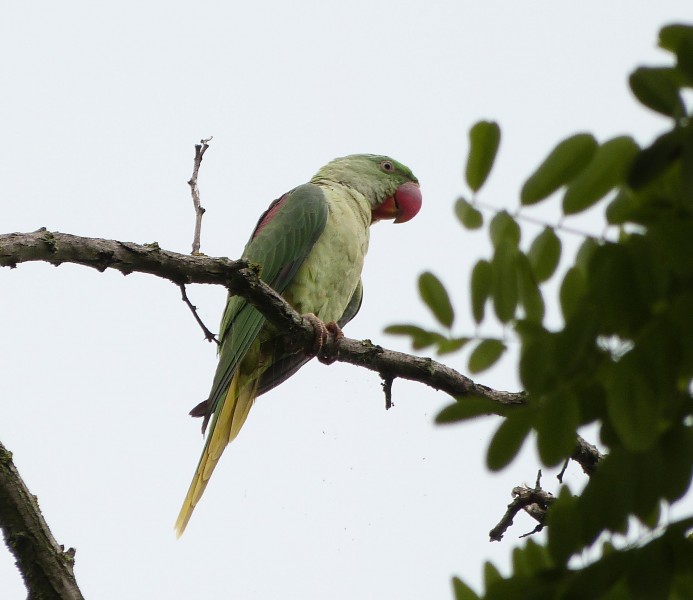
[{"x": 233, "y": 414}]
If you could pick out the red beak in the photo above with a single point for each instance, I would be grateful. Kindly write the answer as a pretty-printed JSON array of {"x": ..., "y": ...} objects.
[{"x": 402, "y": 206}]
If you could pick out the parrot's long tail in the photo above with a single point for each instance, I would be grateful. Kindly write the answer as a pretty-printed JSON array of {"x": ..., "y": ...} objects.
[{"x": 223, "y": 430}]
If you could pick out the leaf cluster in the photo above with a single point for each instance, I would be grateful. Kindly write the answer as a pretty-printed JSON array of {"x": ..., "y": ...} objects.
[{"x": 622, "y": 359}]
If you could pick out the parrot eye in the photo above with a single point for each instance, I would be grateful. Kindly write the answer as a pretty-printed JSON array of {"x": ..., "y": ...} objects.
[{"x": 387, "y": 166}]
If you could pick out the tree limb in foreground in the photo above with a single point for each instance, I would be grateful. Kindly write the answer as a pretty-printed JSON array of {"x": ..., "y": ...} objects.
[{"x": 46, "y": 567}]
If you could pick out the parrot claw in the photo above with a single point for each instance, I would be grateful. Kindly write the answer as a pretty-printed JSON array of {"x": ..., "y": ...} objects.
[
  {"x": 329, "y": 354},
  {"x": 320, "y": 330},
  {"x": 335, "y": 330},
  {"x": 325, "y": 355}
]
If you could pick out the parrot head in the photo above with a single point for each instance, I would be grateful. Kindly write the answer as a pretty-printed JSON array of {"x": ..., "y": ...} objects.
[{"x": 389, "y": 186}]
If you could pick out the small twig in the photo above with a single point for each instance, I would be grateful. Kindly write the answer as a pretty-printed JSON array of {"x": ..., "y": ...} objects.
[
  {"x": 534, "y": 501},
  {"x": 537, "y": 485},
  {"x": 565, "y": 466},
  {"x": 200, "y": 150},
  {"x": 387, "y": 388},
  {"x": 529, "y": 219},
  {"x": 537, "y": 529},
  {"x": 209, "y": 336}
]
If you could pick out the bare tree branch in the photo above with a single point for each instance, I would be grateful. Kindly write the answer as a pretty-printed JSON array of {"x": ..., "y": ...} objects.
[
  {"x": 46, "y": 567},
  {"x": 534, "y": 501},
  {"x": 200, "y": 150},
  {"x": 241, "y": 278},
  {"x": 387, "y": 390},
  {"x": 587, "y": 456},
  {"x": 209, "y": 336}
]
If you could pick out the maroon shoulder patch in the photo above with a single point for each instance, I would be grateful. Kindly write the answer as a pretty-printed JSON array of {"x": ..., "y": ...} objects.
[{"x": 268, "y": 215}]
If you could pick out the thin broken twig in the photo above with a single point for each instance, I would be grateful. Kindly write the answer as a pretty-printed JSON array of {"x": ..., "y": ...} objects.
[
  {"x": 209, "y": 336},
  {"x": 200, "y": 150}
]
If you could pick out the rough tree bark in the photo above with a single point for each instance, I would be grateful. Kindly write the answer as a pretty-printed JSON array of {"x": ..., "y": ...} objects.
[{"x": 44, "y": 564}]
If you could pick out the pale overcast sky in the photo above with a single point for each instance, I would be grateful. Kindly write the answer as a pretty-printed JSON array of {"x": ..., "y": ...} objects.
[{"x": 324, "y": 494}]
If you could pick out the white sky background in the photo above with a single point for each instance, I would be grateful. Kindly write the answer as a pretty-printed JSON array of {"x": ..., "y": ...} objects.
[{"x": 324, "y": 494}]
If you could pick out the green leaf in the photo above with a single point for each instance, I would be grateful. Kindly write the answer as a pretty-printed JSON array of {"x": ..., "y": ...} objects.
[
  {"x": 469, "y": 407},
  {"x": 606, "y": 170},
  {"x": 484, "y": 139},
  {"x": 620, "y": 209},
  {"x": 448, "y": 345},
  {"x": 462, "y": 590},
  {"x": 677, "y": 448},
  {"x": 574, "y": 347},
  {"x": 564, "y": 527},
  {"x": 654, "y": 516},
  {"x": 615, "y": 289},
  {"x": 672, "y": 36},
  {"x": 403, "y": 329},
  {"x": 572, "y": 291},
  {"x": 651, "y": 273},
  {"x": 679, "y": 39},
  {"x": 651, "y": 471},
  {"x": 520, "y": 566},
  {"x": 657, "y": 88},
  {"x": 631, "y": 404},
  {"x": 521, "y": 587},
  {"x": 653, "y": 161},
  {"x": 557, "y": 423},
  {"x": 504, "y": 228},
  {"x": 585, "y": 253},
  {"x": 651, "y": 570},
  {"x": 504, "y": 284},
  {"x": 420, "y": 338},
  {"x": 508, "y": 439},
  {"x": 480, "y": 288},
  {"x": 469, "y": 216},
  {"x": 436, "y": 297},
  {"x": 684, "y": 53},
  {"x": 491, "y": 575},
  {"x": 602, "y": 579},
  {"x": 560, "y": 167},
  {"x": 530, "y": 296},
  {"x": 544, "y": 254},
  {"x": 686, "y": 164},
  {"x": 537, "y": 362},
  {"x": 485, "y": 355},
  {"x": 536, "y": 557}
]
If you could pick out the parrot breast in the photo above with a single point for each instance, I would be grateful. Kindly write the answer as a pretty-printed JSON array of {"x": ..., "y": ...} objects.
[{"x": 326, "y": 280}]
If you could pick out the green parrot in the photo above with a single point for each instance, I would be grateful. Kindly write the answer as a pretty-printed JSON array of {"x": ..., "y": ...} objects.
[{"x": 310, "y": 245}]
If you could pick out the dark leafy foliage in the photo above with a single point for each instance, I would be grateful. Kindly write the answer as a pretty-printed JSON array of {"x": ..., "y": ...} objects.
[{"x": 622, "y": 359}]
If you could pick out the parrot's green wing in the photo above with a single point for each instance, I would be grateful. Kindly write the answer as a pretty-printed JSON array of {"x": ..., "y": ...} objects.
[
  {"x": 353, "y": 307},
  {"x": 283, "y": 237}
]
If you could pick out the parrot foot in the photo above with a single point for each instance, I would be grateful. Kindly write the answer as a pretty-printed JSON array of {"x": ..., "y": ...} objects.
[
  {"x": 325, "y": 355},
  {"x": 320, "y": 330},
  {"x": 328, "y": 356}
]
